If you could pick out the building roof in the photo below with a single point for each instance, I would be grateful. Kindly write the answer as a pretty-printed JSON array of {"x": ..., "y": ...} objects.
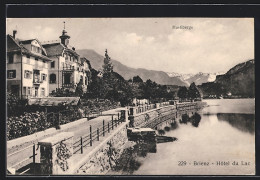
[
  {"x": 15, "y": 45},
  {"x": 55, "y": 49},
  {"x": 54, "y": 101},
  {"x": 29, "y": 41}
]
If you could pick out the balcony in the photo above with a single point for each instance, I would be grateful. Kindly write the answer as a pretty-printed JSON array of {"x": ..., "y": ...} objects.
[
  {"x": 70, "y": 85},
  {"x": 69, "y": 68},
  {"x": 37, "y": 81}
]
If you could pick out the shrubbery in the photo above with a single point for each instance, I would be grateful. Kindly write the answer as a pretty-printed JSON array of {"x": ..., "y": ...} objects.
[
  {"x": 26, "y": 124},
  {"x": 93, "y": 105}
]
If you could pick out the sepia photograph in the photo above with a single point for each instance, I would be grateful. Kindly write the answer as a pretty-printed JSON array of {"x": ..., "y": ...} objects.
[{"x": 130, "y": 96}]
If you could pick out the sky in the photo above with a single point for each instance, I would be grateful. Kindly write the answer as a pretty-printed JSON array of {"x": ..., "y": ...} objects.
[{"x": 180, "y": 45}]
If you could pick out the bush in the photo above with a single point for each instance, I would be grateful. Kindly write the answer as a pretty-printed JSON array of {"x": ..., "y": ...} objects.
[{"x": 26, "y": 124}]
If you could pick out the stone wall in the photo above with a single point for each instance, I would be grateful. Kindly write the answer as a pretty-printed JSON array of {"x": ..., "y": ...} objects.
[
  {"x": 55, "y": 153},
  {"x": 105, "y": 158},
  {"x": 155, "y": 115}
]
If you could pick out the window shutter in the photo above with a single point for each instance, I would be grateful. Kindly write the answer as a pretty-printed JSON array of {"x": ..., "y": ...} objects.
[{"x": 14, "y": 73}]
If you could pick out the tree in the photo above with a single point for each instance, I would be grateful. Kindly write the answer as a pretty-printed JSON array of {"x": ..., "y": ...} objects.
[
  {"x": 193, "y": 92},
  {"x": 183, "y": 93},
  {"x": 107, "y": 67},
  {"x": 137, "y": 79},
  {"x": 79, "y": 89},
  {"x": 15, "y": 105}
]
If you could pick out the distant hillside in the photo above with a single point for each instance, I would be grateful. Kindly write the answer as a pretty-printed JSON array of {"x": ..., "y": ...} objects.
[
  {"x": 198, "y": 78},
  {"x": 238, "y": 81},
  {"x": 160, "y": 77}
]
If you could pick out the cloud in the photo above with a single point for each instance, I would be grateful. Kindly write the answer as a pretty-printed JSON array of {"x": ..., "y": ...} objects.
[{"x": 213, "y": 45}]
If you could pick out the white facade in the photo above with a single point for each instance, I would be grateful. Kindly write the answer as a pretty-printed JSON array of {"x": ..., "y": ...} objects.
[{"x": 27, "y": 71}]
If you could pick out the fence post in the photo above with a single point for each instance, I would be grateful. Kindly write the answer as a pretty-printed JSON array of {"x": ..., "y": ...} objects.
[
  {"x": 103, "y": 127},
  {"x": 112, "y": 123},
  {"x": 108, "y": 129},
  {"x": 59, "y": 119},
  {"x": 90, "y": 135},
  {"x": 118, "y": 116},
  {"x": 97, "y": 134},
  {"x": 34, "y": 154},
  {"x": 81, "y": 144},
  {"x": 116, "y": 122}
]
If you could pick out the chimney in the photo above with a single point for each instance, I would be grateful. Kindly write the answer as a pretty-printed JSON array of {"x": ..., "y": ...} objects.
[{"x": 14, "y": 33}]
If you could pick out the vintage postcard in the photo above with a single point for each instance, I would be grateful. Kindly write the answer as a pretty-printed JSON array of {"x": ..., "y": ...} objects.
[{"x": 130, "y": 96}]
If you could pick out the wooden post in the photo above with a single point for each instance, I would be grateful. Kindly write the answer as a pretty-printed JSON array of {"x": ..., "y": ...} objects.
[
  {"x": 118, "y": 116},
  {"x": 112, "y": 123},
  {"x": 90, "y": 135},
  {"x": 108, "y": 129},
  {"x": 59, "y": 119},
  {"x": 103, "y": 127},
  {"x": 97, "y": 134},
  {"x": 81, "y": 144},
  {"x": 34, "y": 154}
]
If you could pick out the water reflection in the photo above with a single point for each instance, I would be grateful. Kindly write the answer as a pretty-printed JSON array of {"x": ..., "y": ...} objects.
[
  {"x": 166, "y": 126},
  {"x": 243, "y": 122},
  {"x": 130, "y": 161},
  {"x": 222, "y": 131},
  {"x": 194, "y": 119}
]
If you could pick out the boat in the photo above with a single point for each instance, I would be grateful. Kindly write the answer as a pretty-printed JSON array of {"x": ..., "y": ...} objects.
[{"x": 147, "y": 134}]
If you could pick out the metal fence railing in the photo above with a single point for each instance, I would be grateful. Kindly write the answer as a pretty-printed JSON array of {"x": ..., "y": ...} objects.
[
  {"x": 79, "y": 145},
  {"x": 147, "y": 107},
  {"x": 25, "y": 161},
  {"x": 95, "y": 135}
]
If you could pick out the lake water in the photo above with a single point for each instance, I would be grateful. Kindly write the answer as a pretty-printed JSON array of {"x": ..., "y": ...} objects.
[{"x": 221, "y": 143}]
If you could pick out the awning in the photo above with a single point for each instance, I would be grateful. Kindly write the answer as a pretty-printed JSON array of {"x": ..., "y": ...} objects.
[{"x": 54, "y": 101}]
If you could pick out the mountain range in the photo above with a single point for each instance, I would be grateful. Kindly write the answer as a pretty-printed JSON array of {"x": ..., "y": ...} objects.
[
  {"x": 198, "y": 78},
  {"x": 239, "y": 81},
  {"x": 160, "y": 77}
]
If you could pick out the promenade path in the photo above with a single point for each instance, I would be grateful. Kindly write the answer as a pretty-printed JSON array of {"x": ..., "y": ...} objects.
[{"x": 79, "y": 130}]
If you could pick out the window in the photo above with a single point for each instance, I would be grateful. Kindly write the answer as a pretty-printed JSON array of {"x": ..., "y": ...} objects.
[
  {"x": 11, "y": 74},
  {"x": 42, "y": 92},
  {"x": 44, "y": 77},
  {"x": 86, "y": 80},
  {"x": 67, "y": 78},
  {"x": 11, "y": 59},
  {"x": 29, "y": 91},
  {"x": 24, "y": 90},
  {"x": 36, "y": 92},
  {"x": 36, "y": 49},
  {"x": 27, "y": 74},
  {"x": 52, "y": 78},
  {"x": 53, "y": 64}
]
